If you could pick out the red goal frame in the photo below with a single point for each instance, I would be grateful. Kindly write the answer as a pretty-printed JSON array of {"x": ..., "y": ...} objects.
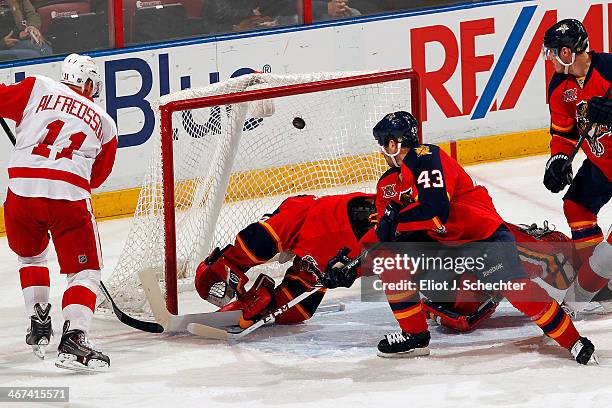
[{"x": 169, "y": 108}]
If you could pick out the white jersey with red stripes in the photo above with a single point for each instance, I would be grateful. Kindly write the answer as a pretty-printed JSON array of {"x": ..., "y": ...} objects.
[{"x": 66, "y": 144}]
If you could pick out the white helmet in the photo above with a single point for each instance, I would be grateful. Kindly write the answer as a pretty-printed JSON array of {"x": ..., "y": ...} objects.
[{"x": 77, "y": 69}]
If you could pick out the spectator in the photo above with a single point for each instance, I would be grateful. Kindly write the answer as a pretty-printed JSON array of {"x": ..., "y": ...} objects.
[
  {"x": 235, "y": 15},
  {"x": 332, "y": 10},
  {"x": 285, "y": 11},
  {"x": 21, "y": 36},
  {"x": 244, "y": 15}
]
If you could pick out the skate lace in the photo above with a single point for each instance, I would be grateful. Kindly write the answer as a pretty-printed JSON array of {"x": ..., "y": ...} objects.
[
  {"x": 397, "y": 337},
  {"x": 84, "y": 341}
]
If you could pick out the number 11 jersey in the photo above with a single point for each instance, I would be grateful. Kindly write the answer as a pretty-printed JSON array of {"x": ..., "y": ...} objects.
[{"x": 66, "y": 144}]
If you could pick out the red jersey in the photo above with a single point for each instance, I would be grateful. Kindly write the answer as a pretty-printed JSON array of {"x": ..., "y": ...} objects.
[
  {"x": 307, "y": 226},
  {"x": 568, "y": 98},
  {"x": 327, "y": 228},
  {"x": 439, "y": 197}
]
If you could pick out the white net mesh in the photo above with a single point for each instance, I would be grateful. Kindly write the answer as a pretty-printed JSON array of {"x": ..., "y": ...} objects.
[{"x": 231, "y": 168}]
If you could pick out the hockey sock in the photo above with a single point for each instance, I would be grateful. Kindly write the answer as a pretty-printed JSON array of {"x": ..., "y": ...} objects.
[
  {"x": 593, "y": 276},
  {"x": 535, "y": 303},
  {"x": 585, "y": 231},
  {"x": 35, "y": 284},
  {"x": 409, "y": 313},
  {"x": 79, "y": 301}
]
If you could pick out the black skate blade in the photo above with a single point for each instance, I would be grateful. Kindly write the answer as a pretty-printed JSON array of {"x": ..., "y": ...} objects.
[
  {"x": 419, "y": 352},
  {"x": 68, "y": 362}
]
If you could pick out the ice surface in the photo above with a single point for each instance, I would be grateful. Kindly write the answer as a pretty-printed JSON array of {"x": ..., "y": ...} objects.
[{"x": 330, "y": 360}]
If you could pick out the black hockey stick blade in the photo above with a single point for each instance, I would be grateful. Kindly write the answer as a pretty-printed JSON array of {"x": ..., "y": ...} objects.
[
  {"x": 8, "y": 132},
  {"x": 149, "y": 327}
]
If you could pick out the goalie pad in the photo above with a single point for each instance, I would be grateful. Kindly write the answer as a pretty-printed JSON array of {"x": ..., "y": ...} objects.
[
  {"x": 546, "y": 254},
  {"x": 255, "y": 302},
  {"x": 218, "y": 280},
  {"x": 457, "y": 321}
]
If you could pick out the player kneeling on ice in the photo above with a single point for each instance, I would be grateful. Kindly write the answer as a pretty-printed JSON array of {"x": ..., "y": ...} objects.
[
  {"x": 313, "y": 229},
  {"x": 65, "y": 146},
  {"x": 436, "y": 197}
]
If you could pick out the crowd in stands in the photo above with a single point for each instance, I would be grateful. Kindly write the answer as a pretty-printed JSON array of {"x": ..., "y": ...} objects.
[{"x": 37, "y": 28}]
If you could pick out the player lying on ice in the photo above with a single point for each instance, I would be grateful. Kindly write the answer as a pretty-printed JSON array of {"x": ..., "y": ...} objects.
[
  {"x": 312, "y": 228},
  {"x": 433, "y": 195}
]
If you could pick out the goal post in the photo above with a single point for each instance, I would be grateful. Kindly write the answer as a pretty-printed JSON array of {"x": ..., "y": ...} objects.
[{"x": 228, "y": 153}]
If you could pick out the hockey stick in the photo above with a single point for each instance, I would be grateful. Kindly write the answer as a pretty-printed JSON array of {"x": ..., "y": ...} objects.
[
  {"x": 123, "y": 318},
  {"x": 221, "y": 334},
  {"x": 177, "y": 324},
  {"x": 580, "y": 140},
  {"x": 8, "y": 132},
  {"x": 150, "y": 327}
]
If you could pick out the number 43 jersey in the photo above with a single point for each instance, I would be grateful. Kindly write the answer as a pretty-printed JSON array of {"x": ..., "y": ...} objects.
[
  {"x": 66, "y": 144},
  {"x": 438, "y": 196}
]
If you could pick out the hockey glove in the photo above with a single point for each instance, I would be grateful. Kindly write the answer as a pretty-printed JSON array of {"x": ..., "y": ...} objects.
[
  {"x": 336, "y": 273},
  {"x": 385, "y": 231},
  {"x": 557, "y": 175},
  {"x": 599, "y": 110}
]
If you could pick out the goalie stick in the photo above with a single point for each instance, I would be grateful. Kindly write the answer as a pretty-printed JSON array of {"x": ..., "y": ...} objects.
[
  {"x": 582, "y": 137},
  {"x": 150, "y": 327},
  {"x": 229, "y": 333},
  {"x": 221, "y": 334}
]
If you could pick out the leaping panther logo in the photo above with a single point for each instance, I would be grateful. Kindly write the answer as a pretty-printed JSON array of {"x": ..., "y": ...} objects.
[{"x": 595, "y": 137}]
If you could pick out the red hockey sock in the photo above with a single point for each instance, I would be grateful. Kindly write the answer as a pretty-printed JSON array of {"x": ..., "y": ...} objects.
[
  {"x": 35, "y": 284},
  {"x": 585, "y": 231},
  {"x": 589, "y": 280},
  {"x": 410, "y": 315},
  {"x": 79, "y": 301},
  {"x": 534, "y": 302},
  {"x": 78, "y": 305}
]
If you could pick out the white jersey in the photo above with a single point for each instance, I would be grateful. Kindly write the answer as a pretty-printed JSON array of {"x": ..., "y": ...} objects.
[{"x": 60, "y": 136}]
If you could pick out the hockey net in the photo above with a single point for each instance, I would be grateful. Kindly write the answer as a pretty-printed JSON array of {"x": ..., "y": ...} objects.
[{"x": 226, "y": 154}]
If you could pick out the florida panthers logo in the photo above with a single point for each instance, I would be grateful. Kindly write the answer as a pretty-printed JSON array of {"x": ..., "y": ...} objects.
[
  {"x": 388, "y": 191},
  {"x": 570, "y": 95},
  {"x": 595, "y": 137}
]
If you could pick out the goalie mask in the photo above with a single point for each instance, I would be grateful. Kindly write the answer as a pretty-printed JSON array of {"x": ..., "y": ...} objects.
[
  {"x": 77, "y": 69},
  {"x": 399, "y": 126},
  {"x": 568, "y": 33}
]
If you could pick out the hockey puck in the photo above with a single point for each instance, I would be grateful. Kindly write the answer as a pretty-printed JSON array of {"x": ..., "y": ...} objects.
[{"x": 298, "y": 123}]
